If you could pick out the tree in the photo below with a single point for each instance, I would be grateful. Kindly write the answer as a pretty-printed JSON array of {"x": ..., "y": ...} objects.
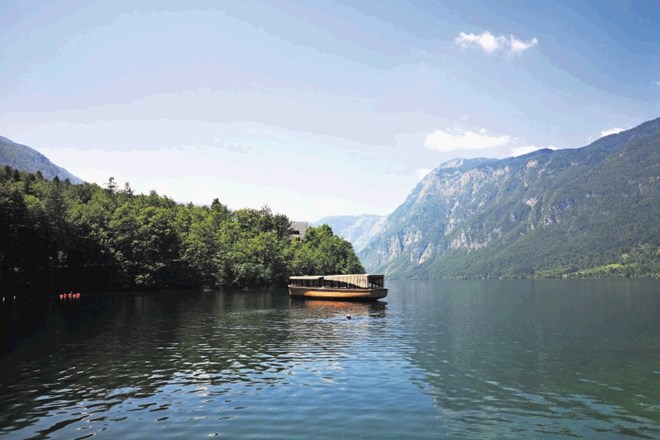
[
  {"x": 57, "y": 232},
  {"x": 111, "y": 185},
  {"x": 203, "y": 252},
  {"x": 321, "y": 252}
]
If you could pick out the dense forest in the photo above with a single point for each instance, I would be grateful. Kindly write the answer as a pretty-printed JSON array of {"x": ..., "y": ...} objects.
[{"x": 55, "y": 235}]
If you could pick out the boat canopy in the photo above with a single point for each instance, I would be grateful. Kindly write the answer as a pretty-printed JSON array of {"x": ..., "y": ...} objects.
[{"x": 364, "y": 281}]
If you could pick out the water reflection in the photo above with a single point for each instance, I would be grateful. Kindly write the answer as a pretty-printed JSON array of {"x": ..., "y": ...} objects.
[
  {"x": 105, "y": 355},
  {"x": 575, "y": 358},
  {"x": 477, "y": 359},
  {"x": 104, "y": 351}
]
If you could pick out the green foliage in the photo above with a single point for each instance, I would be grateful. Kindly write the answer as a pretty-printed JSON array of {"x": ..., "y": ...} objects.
[
  {"x": 57, "y": 235},
  {"x": 322, "y": 252},
  {"x": 643, "y": 260}
]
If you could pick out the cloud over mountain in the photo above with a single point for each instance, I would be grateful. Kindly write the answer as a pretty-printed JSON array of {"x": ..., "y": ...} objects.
[{"x": 445, "y": 141}]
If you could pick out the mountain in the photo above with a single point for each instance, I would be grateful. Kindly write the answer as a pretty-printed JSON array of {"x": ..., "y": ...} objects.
[
  {"x": 591, "y": 211},
  {"x": 27, "y": 159},
  {"x": 358, "y": 229}
]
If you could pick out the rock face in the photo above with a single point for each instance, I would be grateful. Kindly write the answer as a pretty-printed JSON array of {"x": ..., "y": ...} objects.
[
  {"x": 529, "y": 215},
  {"x": 27, "y": 159}
]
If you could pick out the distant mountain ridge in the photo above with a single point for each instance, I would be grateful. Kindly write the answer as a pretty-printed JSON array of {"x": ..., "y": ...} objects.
[
  {"x": 358, "y": 229},
  {"x": 28, "y": 159},
  {"x": 592, "y": 211}
]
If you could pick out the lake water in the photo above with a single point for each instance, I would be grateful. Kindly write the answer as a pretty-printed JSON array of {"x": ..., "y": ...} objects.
[{"x": 454, "y": 359}]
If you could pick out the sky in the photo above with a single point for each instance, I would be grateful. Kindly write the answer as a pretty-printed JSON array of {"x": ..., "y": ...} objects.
[{"x": 316, "y": 108}]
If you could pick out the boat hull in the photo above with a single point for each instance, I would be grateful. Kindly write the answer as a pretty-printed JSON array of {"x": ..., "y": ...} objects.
[{"x": 349, "y": 294}]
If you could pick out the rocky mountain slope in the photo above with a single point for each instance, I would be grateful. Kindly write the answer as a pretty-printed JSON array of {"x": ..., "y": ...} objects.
[
  {"x": 27, "y": 159},
  {"x": 591, "y": 211}
]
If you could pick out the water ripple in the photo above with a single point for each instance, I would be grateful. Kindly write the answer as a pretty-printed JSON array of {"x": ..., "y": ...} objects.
[{"x": 257, "y": 365}]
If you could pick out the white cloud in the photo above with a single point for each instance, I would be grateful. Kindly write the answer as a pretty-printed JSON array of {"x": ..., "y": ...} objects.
[
  {"x": 445, "y": 141},
  {"x": 486, "y": 41},
  {"x": 611, "y": 131},
  {"x": 519, "y": 46},
  {"x": 520, "y": 151},
  {"x": 490, "y": 43}
]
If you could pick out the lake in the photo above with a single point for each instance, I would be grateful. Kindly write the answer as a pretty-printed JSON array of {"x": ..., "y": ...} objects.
[{"x": 546, "y": 359}]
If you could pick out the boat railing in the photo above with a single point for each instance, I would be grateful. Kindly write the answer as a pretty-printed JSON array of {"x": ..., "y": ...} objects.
[{"x": 361, "y": 281}]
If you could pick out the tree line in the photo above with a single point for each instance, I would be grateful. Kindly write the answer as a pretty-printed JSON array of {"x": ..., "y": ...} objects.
[{"x": 57, "y": 235}]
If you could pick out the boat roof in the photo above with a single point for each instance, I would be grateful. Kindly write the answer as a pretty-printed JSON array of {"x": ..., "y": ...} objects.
[{"x": 334, "y": 277}]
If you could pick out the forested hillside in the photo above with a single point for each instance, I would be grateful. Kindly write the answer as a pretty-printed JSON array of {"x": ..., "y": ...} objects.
[
  {"x": 592, "y": 211},
  {"x": 57, "y": 235},
  {"x": 28, "y": 159}
]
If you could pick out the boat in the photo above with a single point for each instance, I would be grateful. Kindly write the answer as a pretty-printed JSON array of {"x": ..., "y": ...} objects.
[{"x": 356, "y": 287}]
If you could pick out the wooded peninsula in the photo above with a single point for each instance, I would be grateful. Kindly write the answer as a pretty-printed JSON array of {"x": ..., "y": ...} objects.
[{"x": 58, "y": 236}]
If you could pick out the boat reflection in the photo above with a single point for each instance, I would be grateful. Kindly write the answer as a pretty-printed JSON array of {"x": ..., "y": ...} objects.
[{"x": 326, "y": 308}]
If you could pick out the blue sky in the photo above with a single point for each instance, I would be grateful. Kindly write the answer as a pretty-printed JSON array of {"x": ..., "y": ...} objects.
[{"x": 316, "y": 108}]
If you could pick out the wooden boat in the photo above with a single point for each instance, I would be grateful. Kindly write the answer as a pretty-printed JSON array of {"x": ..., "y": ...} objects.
[{"x": 362, "y": 287}]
